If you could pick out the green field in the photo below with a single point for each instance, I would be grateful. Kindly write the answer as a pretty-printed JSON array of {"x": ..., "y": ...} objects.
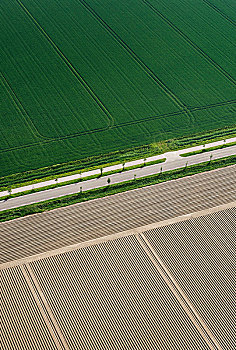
[{"x": 84, "y": 78}]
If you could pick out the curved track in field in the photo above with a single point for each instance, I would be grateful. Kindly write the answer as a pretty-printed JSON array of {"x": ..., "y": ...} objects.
[{"x": 121, "y": 125}]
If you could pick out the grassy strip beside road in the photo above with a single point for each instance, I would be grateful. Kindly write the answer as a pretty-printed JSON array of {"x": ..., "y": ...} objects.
[
  {"x": 116, "y": 188},
  {"x": 207, "y": 149},
  {"x": 113, "y": 158},
  {"x": 138, "y": 166}
]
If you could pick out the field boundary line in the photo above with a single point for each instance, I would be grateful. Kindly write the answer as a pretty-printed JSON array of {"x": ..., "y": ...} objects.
[
  {"x": 94, "y": 131},
  {"x": 45, "y": 303},
  {"x": 178, "y": 293},
  {"x": 139, "y": 121},
  {"x": 190, "y": 42},
  {"x": 145, "y": 68},
  {"x": 69, "y": 65},
  {"x": 213, "y": 105},
  {"x": 103, "y": 239},
  {"x": 39, "y": 299},
  {"x": 17, "y": 103},
  {"x": 214, "y": 7}
]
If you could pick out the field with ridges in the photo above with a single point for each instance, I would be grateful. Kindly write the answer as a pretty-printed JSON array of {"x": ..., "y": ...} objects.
[
  {"x": 23, "y": 325},
  {"x": 81, "y": 78},
  {"x": 205, "y": 245},
  {"x": 164, "y": 286},
  {"x": 66, "y": 226}
]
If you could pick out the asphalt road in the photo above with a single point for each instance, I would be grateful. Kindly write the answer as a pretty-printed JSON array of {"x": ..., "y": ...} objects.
[{"x": 174, "y": 161}]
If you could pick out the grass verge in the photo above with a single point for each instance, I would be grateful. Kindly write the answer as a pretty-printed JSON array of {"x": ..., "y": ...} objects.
[
  {"x": 207, "y": 149},
  {"x": 107, "y": 173},
  {"x": 122, "y": 156},
  {"x": 116, "y": 188}
]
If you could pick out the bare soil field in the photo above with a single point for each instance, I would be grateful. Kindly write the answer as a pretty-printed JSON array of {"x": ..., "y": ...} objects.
[
  {"x": 101, "y": 217},
  {"x": 167, "y": 288}
]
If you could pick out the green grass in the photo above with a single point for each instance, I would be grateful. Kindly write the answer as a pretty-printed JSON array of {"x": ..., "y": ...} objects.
[
  {"x": 207, "y": 149},
  {"x": 117, "y": 157},
  {"x": 117, "y": 188},
  {"x": 84, "y": 79},
  {"x": 138, "y": 166}
]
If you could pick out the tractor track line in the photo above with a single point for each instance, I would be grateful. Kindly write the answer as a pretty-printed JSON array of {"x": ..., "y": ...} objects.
[
  {"x": 190, "y": 42},
  {"x": 70, "y": 66},
  {"x": 163, "y": 116},
  {"x": 220, "y": 12}
]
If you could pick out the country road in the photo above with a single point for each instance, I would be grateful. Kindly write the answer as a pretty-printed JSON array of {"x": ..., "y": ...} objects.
[{"x": 173, "y": 161}]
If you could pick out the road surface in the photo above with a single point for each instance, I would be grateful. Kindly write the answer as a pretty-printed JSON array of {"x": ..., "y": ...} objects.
[
  {"x": 81, "y": 222},
  {"x": 96, "y": 172},
  {"x": 173, "y": 161}
]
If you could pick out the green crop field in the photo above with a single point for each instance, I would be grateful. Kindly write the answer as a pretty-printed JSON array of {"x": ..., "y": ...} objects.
[{"x": 81, "y": 78}]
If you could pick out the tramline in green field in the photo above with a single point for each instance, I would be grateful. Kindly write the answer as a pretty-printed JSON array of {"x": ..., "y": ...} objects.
[{"x": 87, "y": 77}]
